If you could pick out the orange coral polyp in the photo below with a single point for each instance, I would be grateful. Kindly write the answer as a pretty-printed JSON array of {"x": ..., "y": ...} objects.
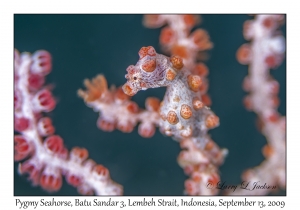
[
  {"x": 186, "y": 111},
  {"x": 166, "y": 36},
  {"x": 146, "y": 131},
  {"x": 133, "y": 107},
  {"x": 180, "y": 51},
  {"x": 152, "y": 104},
  {"x": 151, "y": 21},
  {"x": 194, "y": 82},
  {"x": 177, "y": 62},
  {"x": 128, "y": 90},
  {"x": 190, "y": 20},
  {"x": 267, "y": 151},
  {"x": 197, "y": 104},
  {"x": 81, "y": 153},
  {"x": 269, "y": 22},
  {"x": 172, "y": 117},
  {"x": 95, "y": 88},
  {"x": 243, "y": 54},
  {"x": 119, "y": 94},
  {"x": 201, "y": 70},
  {"x": 149, "y": 66},
  {"x": 170, "y": 75},
  {"x": 125, "y": 127},
  {"x": 101, "y": 170},
  {"x": 201, "y": 39},
  {"x": 106, "y": 125},
  {"x": 206, "y": 100},
  {"x": 144, "y": 51},
  {"x": 212, "y": 121}
]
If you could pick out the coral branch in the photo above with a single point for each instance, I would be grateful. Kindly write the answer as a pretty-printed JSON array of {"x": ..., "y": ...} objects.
[
  {"x": 183, "y": 113},
  {"x": 47, "y": 160},
  {"x": 265, "y": 51},
  {"x": 117, "y": 110}
]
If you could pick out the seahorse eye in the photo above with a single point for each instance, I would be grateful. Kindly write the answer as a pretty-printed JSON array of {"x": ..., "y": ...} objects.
[{"x": 134, "y": 78}]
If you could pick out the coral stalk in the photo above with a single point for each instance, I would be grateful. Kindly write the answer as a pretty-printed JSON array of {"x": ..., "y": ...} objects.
[
  {"x": 264, "y": 52},
  {"x": 183, "y": 114},
  {"x": 46, "y": 157}
]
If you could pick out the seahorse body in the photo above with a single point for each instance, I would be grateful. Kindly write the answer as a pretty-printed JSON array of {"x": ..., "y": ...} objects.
[{"x": 183, "y": 114}]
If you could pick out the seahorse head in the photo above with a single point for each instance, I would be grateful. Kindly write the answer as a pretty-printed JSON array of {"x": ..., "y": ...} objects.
[{"x": 151, "y": 71}]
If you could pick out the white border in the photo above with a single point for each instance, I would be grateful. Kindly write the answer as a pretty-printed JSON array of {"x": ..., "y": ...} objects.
[{"x": 8, "y": 8}]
